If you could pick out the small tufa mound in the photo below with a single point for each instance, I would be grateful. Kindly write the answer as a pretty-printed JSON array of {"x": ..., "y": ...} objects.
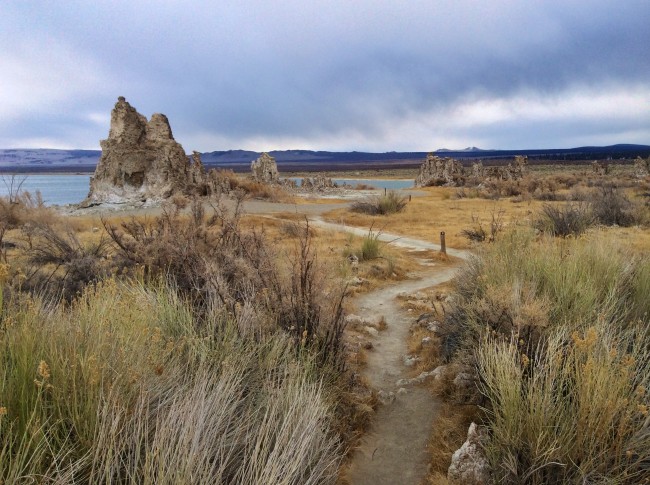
[
  {"x": 469, "y": 465},
  {"x": 264, "y": 169},
  {"x": 319, "y": 183}
]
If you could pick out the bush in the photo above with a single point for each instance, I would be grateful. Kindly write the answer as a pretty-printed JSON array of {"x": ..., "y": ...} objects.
[
  {"x": 477, "y": 233},
  {"x": 214, "y": 262},
  {"x": 390, "y": 203},
  {"x": 577, "y": 408},
  {"x": 571, "y": 220},
  {"x": 610, "y": 206},
  {"x": 63, "y": 266}
]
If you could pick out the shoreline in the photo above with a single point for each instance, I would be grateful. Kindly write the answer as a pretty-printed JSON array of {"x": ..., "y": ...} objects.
[{"x": 344, "y": 175}]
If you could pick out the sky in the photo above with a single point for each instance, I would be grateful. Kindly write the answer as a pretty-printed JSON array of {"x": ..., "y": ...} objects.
[{"x": 339, "y": 75}]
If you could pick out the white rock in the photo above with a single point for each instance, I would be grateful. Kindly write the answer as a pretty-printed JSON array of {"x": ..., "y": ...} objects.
[
  {"x": 464, "y": 380},
  {"x": 353, "y": 320},
  {"x": 386, "y": 397},
  {"x": 371, "y": 331},
  {"x": 469, "y": 465},
  {"x": 410, "y": 360}
]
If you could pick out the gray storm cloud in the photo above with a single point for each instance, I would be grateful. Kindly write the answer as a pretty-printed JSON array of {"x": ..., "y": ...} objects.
[{"x": 329, "y": 74}]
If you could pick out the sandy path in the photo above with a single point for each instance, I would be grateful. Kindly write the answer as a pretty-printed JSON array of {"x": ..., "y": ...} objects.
[{"x": 394, "y": 450}]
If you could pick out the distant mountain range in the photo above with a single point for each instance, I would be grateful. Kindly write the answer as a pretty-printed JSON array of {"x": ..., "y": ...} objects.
[{"x": 44, "y": 160}]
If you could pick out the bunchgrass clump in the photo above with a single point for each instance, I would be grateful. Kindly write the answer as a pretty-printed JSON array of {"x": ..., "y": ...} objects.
[
  {"x": 557, "y": 330},
  {"x": 389, "y": 203},
  {"x": 575, "y": 407},
  {"x": 125, "y": 386},
  {"x": 371, "y": 246}
]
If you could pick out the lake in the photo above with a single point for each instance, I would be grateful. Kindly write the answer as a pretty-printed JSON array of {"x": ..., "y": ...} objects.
[
  {"x": 55, "y": 189},
  {"x": 72, "y": 189}
]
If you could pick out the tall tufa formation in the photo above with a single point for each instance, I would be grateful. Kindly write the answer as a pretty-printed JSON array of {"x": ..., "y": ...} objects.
[
  {"x": 264, "y": 169},
  {"x": 140, "y": 159}
]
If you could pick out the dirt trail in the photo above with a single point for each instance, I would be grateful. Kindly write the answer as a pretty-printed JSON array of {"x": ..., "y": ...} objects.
[{"x": 394, "y": 450}]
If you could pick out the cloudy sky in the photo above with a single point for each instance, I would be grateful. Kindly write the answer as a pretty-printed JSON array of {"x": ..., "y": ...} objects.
[{"x": 364, "y": 75}]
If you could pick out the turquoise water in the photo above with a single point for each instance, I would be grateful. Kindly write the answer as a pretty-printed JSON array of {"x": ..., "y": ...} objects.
[
  {"x": 55, "y": 189},
  {"x": 72, "y": 189}
]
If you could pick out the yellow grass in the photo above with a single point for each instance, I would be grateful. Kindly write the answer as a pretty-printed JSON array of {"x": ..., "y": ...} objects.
[
  {"x": 438, "y": 210},
  {"x": 425, "y": 217}
]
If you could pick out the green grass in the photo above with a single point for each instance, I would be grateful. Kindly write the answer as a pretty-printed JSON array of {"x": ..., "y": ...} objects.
[{"x": 371, "y": 246}]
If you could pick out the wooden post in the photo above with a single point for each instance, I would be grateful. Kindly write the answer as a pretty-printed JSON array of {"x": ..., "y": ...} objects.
[
  {"x": 443, "y": 245},
  {"x": 409, "y": 197},
  {"x": 385, "y": 190}
]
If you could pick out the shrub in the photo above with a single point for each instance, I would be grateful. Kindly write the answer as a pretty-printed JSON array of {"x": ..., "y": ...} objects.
[
  {"x": 610, "y": 206},
  {"x": 478, "y": 234},
  {"x": 214, "y": 262},
  {"x": 63, "y": 265},
  {"x": 575, "y": 408},
  {"x": 520, "y": 285},
  {"x": 389, "y": 203},
  {"x": 571, "y": 220}
]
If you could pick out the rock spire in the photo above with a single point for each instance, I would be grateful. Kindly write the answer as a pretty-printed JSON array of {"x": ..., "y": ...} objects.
[{"x": 140, "y": 159}]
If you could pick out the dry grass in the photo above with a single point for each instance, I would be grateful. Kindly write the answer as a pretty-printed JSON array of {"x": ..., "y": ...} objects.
[
  {"x": 425, "y": 217},
  {"x": 558, "y": 332},
  {"x": 447, "y": 435},
  {"x": 125, "y": 387}
]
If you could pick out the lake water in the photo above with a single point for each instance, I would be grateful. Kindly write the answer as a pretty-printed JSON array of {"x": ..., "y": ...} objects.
[
  {"x": 55, "y": 189},
  {"x": 72, "y": 189}
]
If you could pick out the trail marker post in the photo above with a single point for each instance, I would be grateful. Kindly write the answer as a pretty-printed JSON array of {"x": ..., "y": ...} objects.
[{"x": 443, "y": 245}]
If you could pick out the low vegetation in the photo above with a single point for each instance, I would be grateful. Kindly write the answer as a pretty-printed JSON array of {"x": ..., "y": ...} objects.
[
  {"x": 557, "y": 331},
  {"x": 126, "y": 386},
  {"x": 389, "y": 203},
  {"x": 194, "y": 347},
  {"x": 607, "y": 206},
  {"x": 175, "y": 349}
]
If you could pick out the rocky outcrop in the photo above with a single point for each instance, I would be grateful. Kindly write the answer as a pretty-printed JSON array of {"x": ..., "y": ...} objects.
[
  {"x": 469, "y": 465},
  {"x": 264, "y": 169},
  {"x": 439, "y": 171},
  {"x": 512, "y": 171},
  {"x": 447, "y": 171},
  {"x": 140, "y": 160},
  {"x": 319, "y": 183}
]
